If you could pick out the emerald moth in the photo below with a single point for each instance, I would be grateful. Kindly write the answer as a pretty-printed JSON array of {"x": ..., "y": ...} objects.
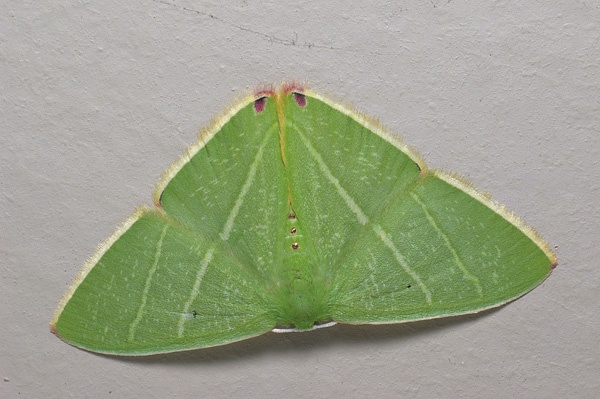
[{"x": 294, "y": 212}]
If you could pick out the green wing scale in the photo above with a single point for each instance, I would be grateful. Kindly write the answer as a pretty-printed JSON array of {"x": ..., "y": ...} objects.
[{"x": 291, "y": 212}]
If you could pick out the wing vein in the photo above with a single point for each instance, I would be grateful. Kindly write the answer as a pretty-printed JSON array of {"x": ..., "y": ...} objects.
[
  {"x": 195, "y": 291},
  {"x": 362, "y": 218},
  {"x": 140, "y": 312},
  {"x": 466, "y": 274},
  {"x": 247, "y": 184},
  {"x": 390, "y": 244}
]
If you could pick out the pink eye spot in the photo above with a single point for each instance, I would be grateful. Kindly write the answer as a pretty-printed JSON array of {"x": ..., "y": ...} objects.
[
  {"x": 295, "y": 246},
  {"x": 300, "y": 99},
  {"x": 293, "y": 230},
  {"x": 259, "y": 104}
]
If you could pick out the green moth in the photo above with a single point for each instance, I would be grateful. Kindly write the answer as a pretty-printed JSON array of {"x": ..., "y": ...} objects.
[{"x": 294, "y": 212}]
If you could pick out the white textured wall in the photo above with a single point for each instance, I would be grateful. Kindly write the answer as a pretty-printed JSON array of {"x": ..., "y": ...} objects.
[{"x": 98, "y": 97}]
